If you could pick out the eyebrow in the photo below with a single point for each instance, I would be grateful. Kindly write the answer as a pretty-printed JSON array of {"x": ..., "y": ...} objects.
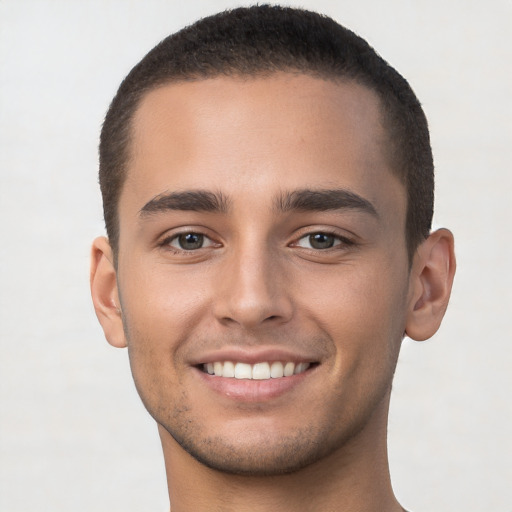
[
  {"x": 323, "y": 200},
  {"x": 190, "y": 200},
  {"x": 298, "y": 200}
]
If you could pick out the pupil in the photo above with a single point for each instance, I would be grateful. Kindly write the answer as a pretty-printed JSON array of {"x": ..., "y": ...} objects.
[
  {"x": 321, "y": 241},
  {"x": 191, "y": 241}
]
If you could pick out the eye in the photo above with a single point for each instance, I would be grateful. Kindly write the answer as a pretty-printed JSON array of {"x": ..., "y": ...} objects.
[
  {"x": 189, "y": 241},
  {"x": 319, "y": 241}
]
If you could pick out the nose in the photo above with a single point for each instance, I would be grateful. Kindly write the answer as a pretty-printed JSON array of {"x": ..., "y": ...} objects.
[{"x": 252, "y": 291}]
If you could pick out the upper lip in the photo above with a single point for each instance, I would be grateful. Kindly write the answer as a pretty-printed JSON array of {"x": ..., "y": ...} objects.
[{"x": 253, "y": 356}]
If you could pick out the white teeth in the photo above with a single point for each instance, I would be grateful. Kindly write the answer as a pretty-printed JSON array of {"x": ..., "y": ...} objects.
[
  {"x": 276, "y": 370},
  {"x": 261, "y": 371},
  {"x": 289, "y": 368},
  {"x": 217, "y": 369},
  {"x": 229, "y": 369},
  {"x": 243, "y": 371},
  {"x": 258, "y": 371},
  {"x": 300, "y": 368}
]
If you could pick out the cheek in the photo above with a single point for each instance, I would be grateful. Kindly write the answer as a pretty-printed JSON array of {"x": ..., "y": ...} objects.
[
  {"x": 160, "y": 311},
  {"x": 160, "y": 300},
  {"x": 363, "y": 310}
]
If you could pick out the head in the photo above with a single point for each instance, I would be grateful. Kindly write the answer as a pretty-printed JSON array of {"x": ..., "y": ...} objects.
[
  {"x": 267, "y": 183},
  {"x": 259, "y": 41}
]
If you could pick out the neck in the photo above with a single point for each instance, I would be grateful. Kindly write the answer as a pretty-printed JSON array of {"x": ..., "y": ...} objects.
[{"x": 353, "y": 478}]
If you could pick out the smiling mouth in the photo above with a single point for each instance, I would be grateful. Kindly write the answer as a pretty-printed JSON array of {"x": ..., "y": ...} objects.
[{"x": 258, "y": 371}]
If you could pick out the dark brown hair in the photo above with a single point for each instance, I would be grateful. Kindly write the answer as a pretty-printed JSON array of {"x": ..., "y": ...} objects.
[{"x": 261, "y": 40}]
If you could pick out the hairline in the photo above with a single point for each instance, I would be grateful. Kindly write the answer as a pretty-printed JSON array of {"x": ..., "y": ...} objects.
[{"x": 142, "y": 93}]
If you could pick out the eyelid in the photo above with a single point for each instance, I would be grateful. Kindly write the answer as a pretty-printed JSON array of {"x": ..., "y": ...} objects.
[
  {"x": 341, "y": 240},
  {"x": 306, "y": 238},
  {"x": 166, "y": 240},
  {"x": 175, "y": 238}
]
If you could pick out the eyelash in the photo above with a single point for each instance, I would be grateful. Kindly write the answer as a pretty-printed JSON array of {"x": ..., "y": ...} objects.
[
  {"x": 167, "y": 242},
  {"x": 339, "y": 240}
]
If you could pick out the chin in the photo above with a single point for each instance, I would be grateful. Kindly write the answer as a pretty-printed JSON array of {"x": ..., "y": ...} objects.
[
  {"x": 258, "y": 453},
  {"x": 286, "y": 456}
]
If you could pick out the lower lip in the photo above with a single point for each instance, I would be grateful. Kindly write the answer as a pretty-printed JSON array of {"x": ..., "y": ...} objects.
[{"x": 251, "y": 390}]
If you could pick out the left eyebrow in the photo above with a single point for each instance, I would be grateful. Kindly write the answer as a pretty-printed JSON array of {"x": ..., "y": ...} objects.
[
  {"x": 188, "y": 200},
  {"x": 323, "y": 200}
]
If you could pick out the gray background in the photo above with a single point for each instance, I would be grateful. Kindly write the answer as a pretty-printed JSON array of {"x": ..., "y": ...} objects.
[{"x": 73, "y": 433}]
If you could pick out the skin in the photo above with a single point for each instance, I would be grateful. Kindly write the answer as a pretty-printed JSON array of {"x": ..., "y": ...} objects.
[{"x": 259, "y": 289}]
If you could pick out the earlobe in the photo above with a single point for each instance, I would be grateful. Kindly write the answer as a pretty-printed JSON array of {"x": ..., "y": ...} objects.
[
  {"x": 431, "y": 282},
  {"x": 104, "y": 292}
]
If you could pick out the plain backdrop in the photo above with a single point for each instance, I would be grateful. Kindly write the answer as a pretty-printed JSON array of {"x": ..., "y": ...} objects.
[{"x": 73, "y": 433}]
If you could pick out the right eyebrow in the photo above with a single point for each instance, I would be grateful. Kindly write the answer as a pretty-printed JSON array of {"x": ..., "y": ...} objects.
[{"x": 188, "y": 200}]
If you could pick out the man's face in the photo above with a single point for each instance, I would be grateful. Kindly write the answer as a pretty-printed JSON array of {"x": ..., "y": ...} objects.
[{"x": 262, "y": 232}]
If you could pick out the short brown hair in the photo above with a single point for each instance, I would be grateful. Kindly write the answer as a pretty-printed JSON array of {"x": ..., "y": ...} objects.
[{"x": 260, "y": 40}]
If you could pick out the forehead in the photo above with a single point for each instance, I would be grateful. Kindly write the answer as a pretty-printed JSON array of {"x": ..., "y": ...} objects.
[{"x": 284, "y": 131}]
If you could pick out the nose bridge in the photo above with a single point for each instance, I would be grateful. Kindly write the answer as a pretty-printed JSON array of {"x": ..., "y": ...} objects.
[{"x": 252, "y": 285}]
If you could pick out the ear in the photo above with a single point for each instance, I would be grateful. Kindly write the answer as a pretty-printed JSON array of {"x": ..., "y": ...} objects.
[
  {"x": 104, "y": 292},
  {"x": 431, "y": 282}
]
